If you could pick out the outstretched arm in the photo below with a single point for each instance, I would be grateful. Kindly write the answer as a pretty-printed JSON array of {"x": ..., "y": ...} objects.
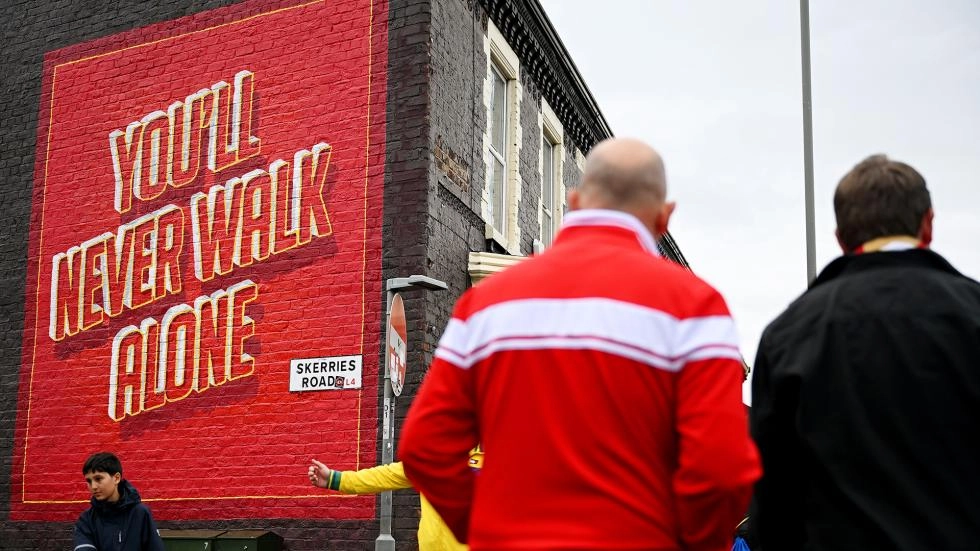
[{"x": 373, "y": 480}]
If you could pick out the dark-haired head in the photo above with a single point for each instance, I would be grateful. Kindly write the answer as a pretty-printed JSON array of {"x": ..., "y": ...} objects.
[
  {"x": 880, "y": 198},
  {"x": 104, "y": 462}
]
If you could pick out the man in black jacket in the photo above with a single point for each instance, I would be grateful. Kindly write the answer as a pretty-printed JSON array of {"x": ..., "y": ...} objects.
[
  {"x": 866, "y": 391},
  {"x": 117, "y": 520}
]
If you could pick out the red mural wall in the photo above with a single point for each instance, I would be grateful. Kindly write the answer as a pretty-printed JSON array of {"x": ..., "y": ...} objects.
[{"x": 204, "y": 288}]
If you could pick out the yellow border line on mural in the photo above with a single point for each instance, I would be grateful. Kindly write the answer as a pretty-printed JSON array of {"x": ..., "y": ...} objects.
[
  {"x": 37, "y": 316},
  {"x": 367, "y": 169},
  {"x": 331, "y": 495},
  {"x": 37, "y": 288}
]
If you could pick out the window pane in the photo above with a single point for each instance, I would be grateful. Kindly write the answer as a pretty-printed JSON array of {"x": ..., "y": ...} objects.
[
  {"x": 497, "y": 193},
  {"x": 547, "y": 174},
  {"x": 498, "y": 115},
  {"x": 547, "y": 225}
]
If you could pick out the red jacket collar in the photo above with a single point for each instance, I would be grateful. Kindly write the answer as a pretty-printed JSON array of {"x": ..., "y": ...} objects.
[{"x": 615, "y": 219}]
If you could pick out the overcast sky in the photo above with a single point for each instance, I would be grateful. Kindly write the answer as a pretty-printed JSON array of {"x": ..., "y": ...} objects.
[{"x": 715, "y": 86}]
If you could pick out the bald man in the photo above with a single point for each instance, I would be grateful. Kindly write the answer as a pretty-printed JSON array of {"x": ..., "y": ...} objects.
[{"x": 604, "y": 381}]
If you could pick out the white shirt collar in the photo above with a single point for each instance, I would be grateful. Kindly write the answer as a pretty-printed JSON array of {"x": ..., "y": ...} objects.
[{"x": 615, "y": 218}]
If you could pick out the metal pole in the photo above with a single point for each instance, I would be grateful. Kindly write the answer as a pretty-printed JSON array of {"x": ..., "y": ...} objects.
[
  {"x": 811, "y": 255},
  {"x": 385, "y": 541}
]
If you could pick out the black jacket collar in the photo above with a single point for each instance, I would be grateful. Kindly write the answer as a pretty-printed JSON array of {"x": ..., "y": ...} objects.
[{"x": 856, "y": 263}]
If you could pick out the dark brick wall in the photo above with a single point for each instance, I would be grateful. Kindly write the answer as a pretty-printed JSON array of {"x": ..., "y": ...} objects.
[
  {"x": 571, "y": 175},
  {"x": 406, "y": 207},
  {"x": 459, "y": 118},
  {"x": 457, "y": 172}
]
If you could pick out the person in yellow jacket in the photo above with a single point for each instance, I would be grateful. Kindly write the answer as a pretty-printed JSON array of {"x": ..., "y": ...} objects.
[{"x": 433, "y": 534}]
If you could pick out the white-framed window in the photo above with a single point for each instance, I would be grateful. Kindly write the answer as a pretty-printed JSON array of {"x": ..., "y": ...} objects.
[
  {"x": 547, "y": 190},
  {"x": 499, "y": 130},
  {"x": 502, "y": 139},
  {"x": 552, "y": 204}
]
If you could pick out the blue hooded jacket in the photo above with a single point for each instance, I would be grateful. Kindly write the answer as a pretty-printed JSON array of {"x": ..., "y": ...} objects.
[{"x": 125, "y": 525}]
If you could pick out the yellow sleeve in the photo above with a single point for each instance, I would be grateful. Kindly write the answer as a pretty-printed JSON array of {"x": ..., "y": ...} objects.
[{"x": 374, "y": 480}]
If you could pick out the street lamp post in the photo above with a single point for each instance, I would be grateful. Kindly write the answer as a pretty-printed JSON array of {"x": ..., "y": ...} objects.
[
  {"x": 385, "y": 541},
  {"x": 811, "y": 253}
]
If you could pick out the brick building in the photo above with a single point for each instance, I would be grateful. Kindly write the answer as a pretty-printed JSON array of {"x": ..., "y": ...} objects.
[{"x": 202, "y": 200}]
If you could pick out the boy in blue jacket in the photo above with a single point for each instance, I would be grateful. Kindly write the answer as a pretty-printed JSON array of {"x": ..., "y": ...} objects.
[{"x": 116, "y": 521}]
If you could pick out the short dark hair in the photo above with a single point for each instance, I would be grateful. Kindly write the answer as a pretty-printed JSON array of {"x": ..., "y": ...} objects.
[
  {"x": 877, "y": 198},
  {"x": 102, "y": 462}
]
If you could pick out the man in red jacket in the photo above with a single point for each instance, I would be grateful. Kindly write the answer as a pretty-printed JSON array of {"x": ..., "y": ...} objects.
[{"x": 606, "y": 381}]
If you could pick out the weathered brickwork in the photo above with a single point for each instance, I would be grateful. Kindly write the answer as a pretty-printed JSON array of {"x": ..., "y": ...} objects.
[
  {"x": 457, "y": 120},
  {"x": 571, "y": 173},
  {"x": 406, "y": 207}
]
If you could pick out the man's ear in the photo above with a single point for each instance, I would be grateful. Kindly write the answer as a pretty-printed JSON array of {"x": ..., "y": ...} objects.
[
  {"x": 662, "y": 220},
  {"x": 574, "y": 199},
  {"x": 925, "y": 227}
]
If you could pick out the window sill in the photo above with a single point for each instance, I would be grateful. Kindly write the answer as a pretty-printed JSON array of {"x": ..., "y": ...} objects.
[{"x": 492, "y": 233}]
